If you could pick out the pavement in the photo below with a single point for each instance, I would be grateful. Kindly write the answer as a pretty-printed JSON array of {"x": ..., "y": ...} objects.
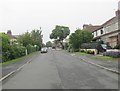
[{"x": 59, "y": 70}]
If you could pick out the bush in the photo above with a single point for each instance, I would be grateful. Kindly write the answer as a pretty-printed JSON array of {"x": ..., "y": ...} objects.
[
  {"x": 13, "y": 52},
  {"x": 117, "y": 46},
  {"x": 112, "y": 54},
  {"x": 82, "y": 51},
  {"x": 30, "y": 48},
  {"x": 76, "y": 50},
  {"x": 89, "y": 45},
  {"x": 90, "y": 52},
  {"x": 16, "y": 51}
]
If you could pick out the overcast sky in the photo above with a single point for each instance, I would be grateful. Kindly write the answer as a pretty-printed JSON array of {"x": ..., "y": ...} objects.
[{"x": 22, "y": 15}]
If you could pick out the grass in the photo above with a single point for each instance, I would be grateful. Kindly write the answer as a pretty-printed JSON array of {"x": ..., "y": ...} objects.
[
  {"x": 104, "y": 58},
  {"x": 99, "y": 57},
  {"x": 81, "y": 53},
  {"x": 16, "y": 60}
]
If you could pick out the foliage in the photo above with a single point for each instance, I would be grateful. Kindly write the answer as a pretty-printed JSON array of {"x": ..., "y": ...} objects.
[
  {"x": 87, "y": 51},
  {"x": 16, "y": 51},
  {"x": 30, "y": 48},
  {"x": 117, "y": 46},
  {"x": 89, "y": 45},
  {"x": 76, "y": 39},
  {"x": 5, "y": 45},
  {"x": 49, "y": 44},
  {"x": 112, "y": 54},
  {"x": 36, "y": 36},
  {"x": 66, "y": 46},
  {"x": 25, "y": 39},
  {"x": 60, "y": 33}
]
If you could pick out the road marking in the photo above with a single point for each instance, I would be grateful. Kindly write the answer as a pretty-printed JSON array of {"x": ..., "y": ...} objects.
[{"x": 6, "y": 76}]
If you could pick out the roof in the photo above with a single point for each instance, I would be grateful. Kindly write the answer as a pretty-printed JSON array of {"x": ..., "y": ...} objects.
[
  {"x": 90, "y": 28},
  {"x": 111, "y": 21},
  {"x": 107, "y": 23}
]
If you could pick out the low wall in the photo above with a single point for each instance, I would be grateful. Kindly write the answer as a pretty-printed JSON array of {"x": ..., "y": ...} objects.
[{"x": 115, "y": 50}]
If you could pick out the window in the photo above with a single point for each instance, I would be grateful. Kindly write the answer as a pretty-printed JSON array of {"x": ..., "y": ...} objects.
[{"x": 101, "y": 31}]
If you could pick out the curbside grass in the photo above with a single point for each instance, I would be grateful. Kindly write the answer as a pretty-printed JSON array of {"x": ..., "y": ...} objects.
[{"x": 16, "y": 60}]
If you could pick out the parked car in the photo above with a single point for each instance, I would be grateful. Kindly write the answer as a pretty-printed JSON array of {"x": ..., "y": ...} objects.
[{"x": 44, "y": 50}]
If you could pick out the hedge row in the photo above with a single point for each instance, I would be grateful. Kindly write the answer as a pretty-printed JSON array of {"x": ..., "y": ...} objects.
[
  {"x": 16, "y": 51},
  {"x": 13, "y": 52}
]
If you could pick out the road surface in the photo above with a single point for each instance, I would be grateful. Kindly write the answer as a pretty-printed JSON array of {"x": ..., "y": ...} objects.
[{"x": 59, "y": 70}]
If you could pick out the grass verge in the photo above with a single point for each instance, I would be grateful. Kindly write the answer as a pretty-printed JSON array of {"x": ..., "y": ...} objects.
[
  {"x": 99, "y": 57},
  {"x": 105, "y": 58},
  {"x": 16, "y": 60}
]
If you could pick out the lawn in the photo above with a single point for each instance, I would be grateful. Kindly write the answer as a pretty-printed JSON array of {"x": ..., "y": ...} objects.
[
  {"x": 104, "y": 58},
  {"x": 99, "y": 57}
]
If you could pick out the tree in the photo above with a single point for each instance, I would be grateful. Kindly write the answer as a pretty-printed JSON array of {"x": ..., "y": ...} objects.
[
  {"x": 49, "y": 44},
  {"x": 37, "y": 38},
  {"x": 25, "y": 39},
  {"x": 60, "y": 33},
  {"x": 79, "y": 37},
  {"x": 5, "y": 43}
]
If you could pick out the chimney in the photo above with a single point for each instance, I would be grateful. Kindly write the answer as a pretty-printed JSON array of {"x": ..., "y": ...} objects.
[
  {"x": 9, "y": 32},
  {"x": 117, "y": 12}
]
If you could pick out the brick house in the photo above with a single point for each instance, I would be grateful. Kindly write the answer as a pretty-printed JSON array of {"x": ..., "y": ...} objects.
[{"x": 109, "y": 31}]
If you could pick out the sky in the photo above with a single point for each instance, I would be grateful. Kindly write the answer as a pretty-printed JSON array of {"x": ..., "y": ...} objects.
[{"x": 20, "y": 16}]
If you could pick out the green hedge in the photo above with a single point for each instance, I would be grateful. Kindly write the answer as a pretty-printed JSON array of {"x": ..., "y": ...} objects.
[{"x": 13, "y": 52}]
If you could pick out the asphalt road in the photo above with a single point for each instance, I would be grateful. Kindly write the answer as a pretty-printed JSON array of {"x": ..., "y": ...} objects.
[{"x": 60, "y": 70}]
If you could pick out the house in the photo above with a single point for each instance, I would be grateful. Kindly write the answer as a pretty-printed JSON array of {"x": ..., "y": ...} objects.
[
  {"x": 90, "y": 27},
  {"x": 13, "y": 38},
  {"x": 109, "y": 31}
]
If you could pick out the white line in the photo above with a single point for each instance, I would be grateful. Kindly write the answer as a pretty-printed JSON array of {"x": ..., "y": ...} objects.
[{"x": 6, "y": 76}]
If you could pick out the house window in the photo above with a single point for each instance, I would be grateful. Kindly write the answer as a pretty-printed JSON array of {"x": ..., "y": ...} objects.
[
  {"x": 96, "y": 33},
  {"x": 101, "y": 31}
]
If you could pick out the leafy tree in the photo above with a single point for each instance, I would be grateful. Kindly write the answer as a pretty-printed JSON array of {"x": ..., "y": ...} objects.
[
  {"x": 37, "y": 38},
  {"x": 5, "y": 43},
  {"x": 60, "y": 33},
  {"x": 79, "y": 37},
  {"x": 49, "y": 44},
  {"x": 25, "y": 39}
]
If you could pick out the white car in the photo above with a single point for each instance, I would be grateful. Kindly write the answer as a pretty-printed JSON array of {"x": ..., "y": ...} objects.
[{"x": 44, "y": 50}]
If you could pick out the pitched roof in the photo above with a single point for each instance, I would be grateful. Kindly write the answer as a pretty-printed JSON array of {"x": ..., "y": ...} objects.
[{"x": 90, "y": 28}]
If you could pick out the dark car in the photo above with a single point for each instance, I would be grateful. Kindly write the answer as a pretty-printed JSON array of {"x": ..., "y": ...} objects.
[{"x": 44, "y": 50}]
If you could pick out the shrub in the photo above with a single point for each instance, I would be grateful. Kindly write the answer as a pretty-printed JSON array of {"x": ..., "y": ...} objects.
[
  {"x": 82, "y": 51},
  {"x": 76, "y": 50},
  {"x": 90, "y": 52},
  {"x": 112, "y": 54},
  {"x": 117, "y": 46},
  {"x": 30, "y": 48}
]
